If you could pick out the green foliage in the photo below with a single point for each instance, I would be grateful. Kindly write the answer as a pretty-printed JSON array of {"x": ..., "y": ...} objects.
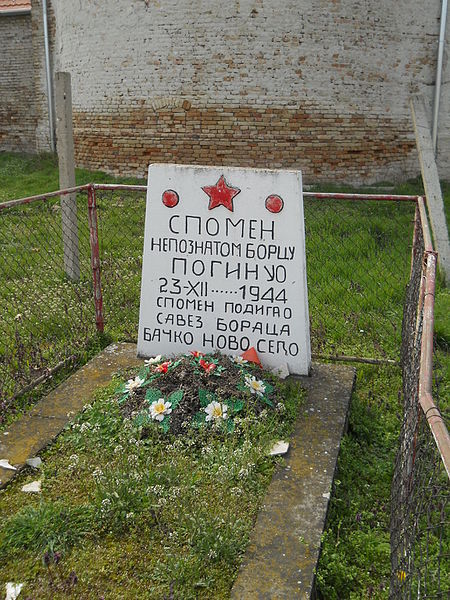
[
  {"x": 27, "y": 175},
  {"x": 175, "y": 512},
  {"x": 355, "y": 554},
  {"x": 153, "y": 395},
  {"x": 48, "y": 527},
  {"x": 358, "y": 261}
]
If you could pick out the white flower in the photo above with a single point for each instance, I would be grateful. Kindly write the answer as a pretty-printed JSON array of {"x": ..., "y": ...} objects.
[
  {"x": 238, "y": 360},
  {"x": 97, "y": 473},
  {"x": 74, "y": 459},
  {"x": 159, "y": 409},
  {"x": 216, "y": 411},
  {"x": 256, "y": 386},
  {"x": 134, "y": 384},
  {"x": 153, "y": 361}
]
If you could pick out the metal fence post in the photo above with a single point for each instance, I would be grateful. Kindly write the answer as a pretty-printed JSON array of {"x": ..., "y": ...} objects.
[{"x": 95, "y": 258}]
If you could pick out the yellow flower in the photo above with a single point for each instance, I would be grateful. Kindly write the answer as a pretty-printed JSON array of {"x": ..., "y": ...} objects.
[
  {"x": 134, "y": 384},
  {"x": 159, "y": 409},
  {"x": 256, "y": 386},
  {"x": 216, "y": 411}
]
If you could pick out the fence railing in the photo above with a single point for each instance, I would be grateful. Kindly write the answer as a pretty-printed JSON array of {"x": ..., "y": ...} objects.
[
  {"x": 359, "y": 265},
  {"x": 420, "y": 524}
]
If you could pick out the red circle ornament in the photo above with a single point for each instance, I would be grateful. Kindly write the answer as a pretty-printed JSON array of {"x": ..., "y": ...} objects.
[
  {"x": 170, "y": 198},
  {"x": 274, "y": 203}
]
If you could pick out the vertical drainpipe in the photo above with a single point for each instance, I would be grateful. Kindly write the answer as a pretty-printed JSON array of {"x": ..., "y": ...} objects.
[
  {"x": 437, "y": 88},
  {"x": 49, "y": 78}
]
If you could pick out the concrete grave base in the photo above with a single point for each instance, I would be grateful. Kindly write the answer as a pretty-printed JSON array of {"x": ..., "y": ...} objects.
[
  {"x": 284, "y": 548},
  {"x": 30, "y": 434}
]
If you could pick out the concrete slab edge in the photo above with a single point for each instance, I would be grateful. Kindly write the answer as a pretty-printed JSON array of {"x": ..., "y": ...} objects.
[
  {"x": 284, "y": 548},
  {"x": 45, "y": 421}
]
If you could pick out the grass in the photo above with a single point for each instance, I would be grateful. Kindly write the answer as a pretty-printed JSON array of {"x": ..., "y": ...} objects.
[
  {"x": 140, "y": 516},
  {"x": 28, "y": 175},
  {"x": 355, "y": 559},
  {"x": 358, "y": 262}
]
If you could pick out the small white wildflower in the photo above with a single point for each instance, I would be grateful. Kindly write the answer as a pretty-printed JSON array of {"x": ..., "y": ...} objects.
[
  {"x": 97, "y": 473},
  {"x": 132, "y": 458},
  {"x": 256, "y": 386},
  {"x": 155, "y": 489},
  {"x": 106, "y": 502},
  {"x": 118, "y": 449},
  {"x": 153, "y": 361},
  {"x": 281, "y": 407},
  {"x": 238, "y": 360},
  {"x": 216, "y": 411},
  {"x": 133, "y": 384},
  {"x": 129, "y": 516},
  {"x": 174, "y": 492},
  {"x": 159, "y": 409},
  {"x": 74, "y": 459},
  {"x": 84, "y": 427}
]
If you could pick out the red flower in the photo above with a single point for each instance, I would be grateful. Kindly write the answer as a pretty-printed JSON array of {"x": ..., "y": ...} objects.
[
  {"x": 196, "y": 354},
  {"x": 162, "y": 368},
  {"x": 206, "y": 366}
]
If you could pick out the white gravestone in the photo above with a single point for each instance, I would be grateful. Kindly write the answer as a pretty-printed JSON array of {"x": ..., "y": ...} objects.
[{"x": 224, "y": 265}]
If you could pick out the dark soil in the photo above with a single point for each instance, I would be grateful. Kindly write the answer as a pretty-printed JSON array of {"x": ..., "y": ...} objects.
[{"x": 190, "y": 377}]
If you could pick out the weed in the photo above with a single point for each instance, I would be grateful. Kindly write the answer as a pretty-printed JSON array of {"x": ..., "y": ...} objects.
[{"x": 48, "y": 528}]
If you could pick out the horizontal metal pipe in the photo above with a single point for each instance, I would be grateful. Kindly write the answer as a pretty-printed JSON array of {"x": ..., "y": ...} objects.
[
  {"x": 48, "y": 373},
  {"x": 14, "y": 12},
  {"x": 124, "y": 187},
  {"x": 31, "y": 199},
  {"x": 338, "y": 196},
  {"x": 357, "y": 359},
  {"x": 143, "y": 188}
]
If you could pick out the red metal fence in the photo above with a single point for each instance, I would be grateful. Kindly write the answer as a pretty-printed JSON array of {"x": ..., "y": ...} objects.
[{"x": 358, "y": 261}]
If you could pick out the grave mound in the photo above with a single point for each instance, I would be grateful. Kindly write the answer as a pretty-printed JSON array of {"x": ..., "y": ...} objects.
[{"x": 197, "y": 391}]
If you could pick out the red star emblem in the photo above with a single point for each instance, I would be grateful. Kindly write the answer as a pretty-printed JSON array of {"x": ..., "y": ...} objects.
[{"x": 221, "y": 194}]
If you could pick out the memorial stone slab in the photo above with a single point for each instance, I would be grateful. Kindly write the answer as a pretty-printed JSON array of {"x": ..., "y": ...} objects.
[{"x": 224, "y": 265}]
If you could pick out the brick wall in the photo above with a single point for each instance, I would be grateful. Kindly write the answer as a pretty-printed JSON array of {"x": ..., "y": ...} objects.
[
  {"x": 326, "y": 145},
  {"x": 323, "y": 86},
  {"x": 17, "y": 114}
]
